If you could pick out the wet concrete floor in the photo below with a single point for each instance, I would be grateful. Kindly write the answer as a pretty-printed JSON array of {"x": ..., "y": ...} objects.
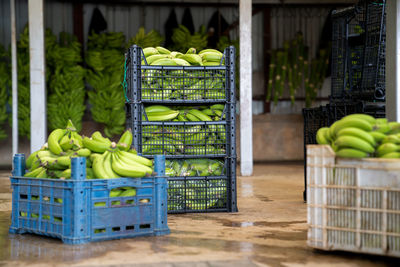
[{"x": 270, "y": 229}]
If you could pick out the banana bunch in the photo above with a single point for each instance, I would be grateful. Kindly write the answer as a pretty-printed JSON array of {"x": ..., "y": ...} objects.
[
  {"x": 24, "y": 79},
  {"x": 104, "y": 159},
  {"x": 183, "y": 139},
  {"x": 66, "y": 98},
  {"x": 183, "y": 39},
  {"x": 188, "y": 84},
  {"x": 197, "y": 194},
  {"x": 4, "y": 85},
  {"x": 194, "y": 167},
  {"x": 361, "y": 136},
  {"x": 106, "y": 59},
  {"x": 151, "y": 39}
]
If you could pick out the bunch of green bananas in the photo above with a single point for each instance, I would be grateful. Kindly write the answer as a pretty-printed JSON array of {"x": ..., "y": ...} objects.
[
  {"x": 197, "y": 194},
  {"x": 152, "y": 38},
  {"x": 66, "y": 98},
  {"x": 183, "y": 139},
  {"x": 104, "y": 159},
  {"x": 106, "y": 59},
  {"x": 4, "y": 85},
  {"x": 194, "y": 167},
  {"x": 185, "y": 84},
  {"x": 362, "y": 136},
  {"x": 183, "y": 39},
  {"x": 24, "y": 80}
]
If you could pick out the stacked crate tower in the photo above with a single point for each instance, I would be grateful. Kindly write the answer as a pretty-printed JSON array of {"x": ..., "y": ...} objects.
[{"x": 201, "y": 154}]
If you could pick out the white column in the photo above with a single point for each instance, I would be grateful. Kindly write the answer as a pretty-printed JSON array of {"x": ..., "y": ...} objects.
[
  {"x": 14, "y": 80},
  {"x": 37, "y": 74},
  {"x": 246, "y": 124},
  {"x": 393, "y": 60}
]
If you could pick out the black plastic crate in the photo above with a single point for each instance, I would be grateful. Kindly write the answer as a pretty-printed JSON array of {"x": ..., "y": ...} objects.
[
  {"x": 348, "y": 34},
  {"x": 358, "y": 52},
  {"x": 204, "y": 193},
  {"x": 179, "y": 84},
  {"x": 373, "y": 76},
  {"x": 182, "y": 139}
]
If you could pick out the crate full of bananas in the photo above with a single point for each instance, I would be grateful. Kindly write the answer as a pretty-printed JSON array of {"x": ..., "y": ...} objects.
[
  {"x": 183, "y": 130},
  {"x": 362, "y": 136},
  {"x": 104, "y": 159},
  {"x": 174, "y": 76}
]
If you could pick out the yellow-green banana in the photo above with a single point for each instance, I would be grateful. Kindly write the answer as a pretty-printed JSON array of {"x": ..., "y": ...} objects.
[
  {"x": 356, "y": 132},
  {"x": 53, "y": 140},
  {"x": 321, "y": 136},
  {"x": 346, "y": 141},
  {"x": 350, "y": 153}
]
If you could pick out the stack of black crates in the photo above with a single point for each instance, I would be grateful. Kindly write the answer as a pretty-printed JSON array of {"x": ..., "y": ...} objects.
[
  {"x": 186, "y": 193},
  {"x": 358, "y": 69}
]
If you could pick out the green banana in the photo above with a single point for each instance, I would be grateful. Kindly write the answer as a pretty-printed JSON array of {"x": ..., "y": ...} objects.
[
  {"x": 164, "y": 62},
  {"x": 346, "y": 141},
  {"x": 217, "y": 107},
  {"x": 378, "y": 137},
  {"x": 386, "y": 148},
  {"x": 34, "y": 172},
  {"x": 321, "y": 136},
  {"x": 107, "y": 165},
  {"x": 53, "y": 140},
  {"x": 391, "y": 155},
  {"x": 391, "y": 139},
  {"x": 210, "y": 50},
  {"x": 350, "y": 153},
  {"x": 163, "y": 50},
  {"x": 95, "y": 146},
  {"x": 157, "y": 108},
  {"x": 83, "y": 152},
  {"x": 350, "y": 122},
  {"x": 126, "y": 170},
  {"x": 200, "y": 115},
  {"x": 365, "y": 117},
  {"x": 356, "y": 132},
  {"x": 148, "y": 51},
  {"x": 135, "y": 158},
  {"x": 381, "y": 128},
  {"x": 161, "y": 115},
  {"x": 125, "y": 141},
  {"x": 98, "y": 167}
]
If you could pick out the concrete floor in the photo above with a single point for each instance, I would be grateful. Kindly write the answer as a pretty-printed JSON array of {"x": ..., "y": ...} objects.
[{"x": 270, "y": 229}]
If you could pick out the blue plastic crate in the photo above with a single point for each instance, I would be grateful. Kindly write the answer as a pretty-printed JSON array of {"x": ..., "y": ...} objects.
[{"x": 37, "y": 207}]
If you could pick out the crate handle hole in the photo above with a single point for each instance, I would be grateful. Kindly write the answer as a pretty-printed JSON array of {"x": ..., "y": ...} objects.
[
  {"x": 130, "y": 227},
  {"x": 34, "y": 197},
  {"x": 100, "y": 204},
  {"x": 144, "y": 226},
  {"x": 21, "y": 196},
  {"x": 57, "y": 219},
  {"x": 58, "y": 200},
  {"x": 131, "y": 201},
  {"x": 23, "y": 214},
  {"x": 116, "y": 229},
  {"x": 46, "y": 198},
  {"x": 46, "y": 217},
  {"x": 115, "y": 203},
  {"x": 100, "y": 230},
  {"x": 144, "y": 200}
]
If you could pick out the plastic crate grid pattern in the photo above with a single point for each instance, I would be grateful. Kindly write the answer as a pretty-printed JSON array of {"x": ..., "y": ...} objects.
[
  {"x": 373, "y": 82},
  {"x": 177, "y": 84},
  {"x": 354, "y": 215},
  {"x": 183, "y": 138},
  {"x": 188, "y": 194},
  {"x": 79, "y": 211},
  {"x": 216, "y": 76},
  {"x": 347, "y": 49}
]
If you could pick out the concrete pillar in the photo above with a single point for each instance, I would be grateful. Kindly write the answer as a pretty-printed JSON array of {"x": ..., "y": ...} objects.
[
  {"x": 246, "y": 123},
  {"x": 37, "y": 74},
  {"x": 14, "y": 78},
  {"x": 393, "y": 60}
]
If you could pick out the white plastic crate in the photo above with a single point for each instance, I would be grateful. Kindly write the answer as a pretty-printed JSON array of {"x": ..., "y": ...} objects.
[{"x": 353, "y": 204}]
